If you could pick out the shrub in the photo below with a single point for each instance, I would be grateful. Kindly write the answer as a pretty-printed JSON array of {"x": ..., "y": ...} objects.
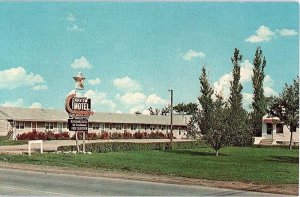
[
  {"x": 48, "y": 135},
  {"x": 88, "y": 136},
  {"x": 138, "y": 135},
  {"x": 157, "y": 135},
  {"x": 131, "y": 146},
  {"x": 105, "y": 135},
  {"x": 116, "y": 136},
  {"x": 126, "y": 135}
]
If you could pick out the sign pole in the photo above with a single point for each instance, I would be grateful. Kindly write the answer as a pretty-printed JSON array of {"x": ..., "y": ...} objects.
[
  {"x": 77, "y": 145},
  {"x": 83, "y": 140},
  {"x": 76, "y": 135}
]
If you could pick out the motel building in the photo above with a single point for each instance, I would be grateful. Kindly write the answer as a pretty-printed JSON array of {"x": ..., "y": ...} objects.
[
  {"x": 274, "y": 132},
  {"x": 21, "y": 120}
]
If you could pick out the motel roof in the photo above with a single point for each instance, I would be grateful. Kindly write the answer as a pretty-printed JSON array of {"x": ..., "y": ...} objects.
[{"x": 54, "y": 115}]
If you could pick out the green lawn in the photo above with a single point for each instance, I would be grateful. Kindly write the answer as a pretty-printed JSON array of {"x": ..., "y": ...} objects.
[
  {"x": 5, "y": 142},
  {"x": 251, "y": 164}
]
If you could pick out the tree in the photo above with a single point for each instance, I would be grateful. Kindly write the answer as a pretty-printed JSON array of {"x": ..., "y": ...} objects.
[
  {"x": 187, "y": 109},
  {"x": 165, "y": 111},
  {"x": 153, "y": 111},
  {"x": 259, "y": 105},
  {"x": 206, "y": 103},
  {"x": 217, "y": 137},
  {"x": 286, "y": 107},
  {"x": 137, "y": 112},
  {"x": 239, "y": 128}
]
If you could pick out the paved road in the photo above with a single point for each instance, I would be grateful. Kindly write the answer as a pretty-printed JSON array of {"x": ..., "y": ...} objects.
[{"x": 20, "y": 182}]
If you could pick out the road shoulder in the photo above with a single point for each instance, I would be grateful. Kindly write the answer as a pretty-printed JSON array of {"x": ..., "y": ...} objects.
[{"x": 289, "y": 189}]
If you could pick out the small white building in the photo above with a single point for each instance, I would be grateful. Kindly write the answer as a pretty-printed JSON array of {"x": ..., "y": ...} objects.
[
  {"x": 20, "y": 120},
  {"x": 274, "y": 132}
]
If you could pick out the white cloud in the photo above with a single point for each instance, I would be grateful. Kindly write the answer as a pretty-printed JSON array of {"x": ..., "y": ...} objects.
[
  {"x": 247, "y": 100},
  {"x": 132, "y": 98},
  {"x": 264, "y": 34},
  {"x": 287, "y": 32},
  {"x": 99, "y": 101},
  {"x": 136, "y": 108},
  {"x": 246, "y": 71},
  {"x": 268, "y": 86},
  {"x": 36, "y": 105},
  {"x": 126, "y": 83},
  {"x": 18, "y": 103},
  {"x": 93, "y": 82},
  {"x": 153, "y": 99},
  {"x": 74, "y": 28},
  {"x": 223, "y": 84},
  {"x": 18, "y": 77},
  {"x": 81, "y": 63},
  {"x": 40, "y": 87},
  {"x": 146, "y": 112},
  {"x": 71, "y": 17},
  {"x": 189, "y": 55},
  {"x": 119, "y": 112}
]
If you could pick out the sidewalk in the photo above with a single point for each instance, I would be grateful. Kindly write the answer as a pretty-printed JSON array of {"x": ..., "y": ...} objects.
[{"x": 51, "y": 146}]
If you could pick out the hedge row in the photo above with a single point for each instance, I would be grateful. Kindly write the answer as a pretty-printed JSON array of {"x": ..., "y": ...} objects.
[{"x": 105, "y": 147}]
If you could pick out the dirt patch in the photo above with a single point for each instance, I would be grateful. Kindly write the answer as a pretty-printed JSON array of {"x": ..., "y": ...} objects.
[{"x": 289, "y": 189}]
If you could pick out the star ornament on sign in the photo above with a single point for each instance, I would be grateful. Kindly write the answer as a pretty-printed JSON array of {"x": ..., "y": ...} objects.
[{"x": 79, "y": 81}]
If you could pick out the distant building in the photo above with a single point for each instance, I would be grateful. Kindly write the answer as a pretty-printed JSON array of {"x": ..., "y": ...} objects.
[
  {"x": 274, "y": 132},
  {"x": 20, "y": 120}
]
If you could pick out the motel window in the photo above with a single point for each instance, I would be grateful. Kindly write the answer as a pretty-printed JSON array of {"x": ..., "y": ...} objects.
[
  {"x": 279, "y": 128},
  {"x": 27, "y": 125},
  {"x": 107, "y": 126},
  {"x": 101, "y": 126},
  {"x": 118, "y": 126},
  {"x": 90, "y": 125},
  {"x": 152, "y": 127},
  {"x": 133, "y": 127},
  {"x": 20, "y": 125},
  {"x": 49, "y": 125},
  {"x": 125, "y": 126},
  {"x": 95, "y": 126},
  {"x": 60, "y": 126}
]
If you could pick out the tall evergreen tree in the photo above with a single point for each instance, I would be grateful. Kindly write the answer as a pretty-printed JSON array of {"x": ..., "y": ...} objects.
[
  {"x": 235, "y": 98},
  {"x": 259, "y": 105},
  {"x": 206, "y": 103},
  {"x": 239, "y": 128}
]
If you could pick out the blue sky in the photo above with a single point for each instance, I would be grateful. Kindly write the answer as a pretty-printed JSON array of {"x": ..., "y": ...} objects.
[{"x": 132, "y": 53}]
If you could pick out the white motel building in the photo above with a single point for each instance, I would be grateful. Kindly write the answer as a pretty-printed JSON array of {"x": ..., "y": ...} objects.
[{"x": 21, "y": 120}]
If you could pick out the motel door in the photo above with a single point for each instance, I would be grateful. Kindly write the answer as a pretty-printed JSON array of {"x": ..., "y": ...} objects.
[{"x": 34, "y": 126}]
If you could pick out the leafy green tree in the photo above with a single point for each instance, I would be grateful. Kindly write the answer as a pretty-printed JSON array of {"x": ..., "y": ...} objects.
[
  {"x": 217, "y": 137},
  {"x": 206, "y": 103},
  {"x": 286, "y": 107},
  {"x": 153, "y": 111},
  {"x": 239, "y": 128},
  {"x": 165, "y": 111},
  {"x": 187, "y": 109},
  {"x": 259, "y": 105}
]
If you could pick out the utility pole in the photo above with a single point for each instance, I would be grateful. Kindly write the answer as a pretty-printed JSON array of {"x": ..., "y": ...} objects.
[{"x": 171, "y": 126}]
